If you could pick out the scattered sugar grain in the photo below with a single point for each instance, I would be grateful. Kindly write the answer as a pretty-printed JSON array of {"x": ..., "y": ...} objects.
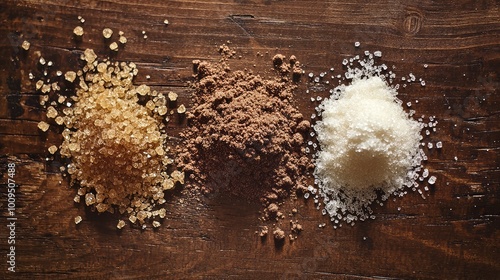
[
  {"x": 120, "y": 224},
  {"x": 114, "y": 46},
  {"x": 51, "y": 112},
  {"x": 43, "y": 126},
  {"x": 172, "y": 96},
  {"x": 52, "y": 149},
  {"x": 25, "y": 45},
  {"x": 78, "y": 219},
  {"x": 132, "y": 219},
  {"x": 432, "y": 180},
  {"x": 122, "y": 39},
  {"x": 107, "y": 33},
  {"x": 78, "y": 31},
  {"x": 425, "y": 174},
  {"x": 70, "y": 76},
  {"x": 39, "y": 84},
  {"x": 181, "y": 109}
]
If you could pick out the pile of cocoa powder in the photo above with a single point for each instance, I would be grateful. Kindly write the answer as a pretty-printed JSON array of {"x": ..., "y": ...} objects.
[{"x": 245, "y": 138}]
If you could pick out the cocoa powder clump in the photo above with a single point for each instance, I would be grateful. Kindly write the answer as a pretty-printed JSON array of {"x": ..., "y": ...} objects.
[
  {"x": 245, "y": 137},
  {"x": 279, "y": 234}
]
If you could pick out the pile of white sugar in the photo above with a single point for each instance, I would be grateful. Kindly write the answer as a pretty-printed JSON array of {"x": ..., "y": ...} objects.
[
  {"x": 367, "y": 140},
  {"x": 369, "y": 146}
]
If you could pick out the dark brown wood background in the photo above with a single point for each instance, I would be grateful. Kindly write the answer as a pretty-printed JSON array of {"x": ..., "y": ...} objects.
[{"x": 453, "y": 234}]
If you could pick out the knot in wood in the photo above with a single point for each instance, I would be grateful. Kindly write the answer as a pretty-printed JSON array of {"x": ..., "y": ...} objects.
[{"x": 412, "y": 22}]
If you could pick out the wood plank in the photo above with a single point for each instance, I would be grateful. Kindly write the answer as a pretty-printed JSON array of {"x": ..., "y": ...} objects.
[{"x": 452, "y": 234}]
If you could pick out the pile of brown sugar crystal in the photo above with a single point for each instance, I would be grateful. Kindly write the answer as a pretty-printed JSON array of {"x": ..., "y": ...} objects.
[
  {"x": 245, "y": 137},
  {"x": 117, "y": 147}
]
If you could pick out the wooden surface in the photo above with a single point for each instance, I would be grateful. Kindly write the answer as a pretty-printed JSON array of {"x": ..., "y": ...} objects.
[{"x": 453, "y": 234}]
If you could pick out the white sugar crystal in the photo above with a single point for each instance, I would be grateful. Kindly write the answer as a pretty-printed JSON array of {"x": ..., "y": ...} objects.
[
  {"x": 432, "y": 180},
  {"x": 425, "y": 174}
]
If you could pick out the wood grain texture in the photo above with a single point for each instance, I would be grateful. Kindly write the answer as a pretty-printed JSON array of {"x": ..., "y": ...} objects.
[{"x": 453, "y": 234}]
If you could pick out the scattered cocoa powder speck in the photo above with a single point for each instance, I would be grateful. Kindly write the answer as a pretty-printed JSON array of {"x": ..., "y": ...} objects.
[
  {"x": 272, "y": 209},
  {"x": 226, "y": 51},
  {"x": 279, "y": 234},
  {"x": 264, "y": 230}
]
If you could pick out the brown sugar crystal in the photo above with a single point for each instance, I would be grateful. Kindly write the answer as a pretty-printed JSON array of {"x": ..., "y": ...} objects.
[
  {"x": 172, "y": 96},
  {"x": 107, "y": 32},
  {"x": 25, "y": 45},
  {"x": 113, "y": 46},
  {"x": 78, "y": 31},
  {"x": 70, "y": 76},
  {"x": 43, "y": 126}
]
